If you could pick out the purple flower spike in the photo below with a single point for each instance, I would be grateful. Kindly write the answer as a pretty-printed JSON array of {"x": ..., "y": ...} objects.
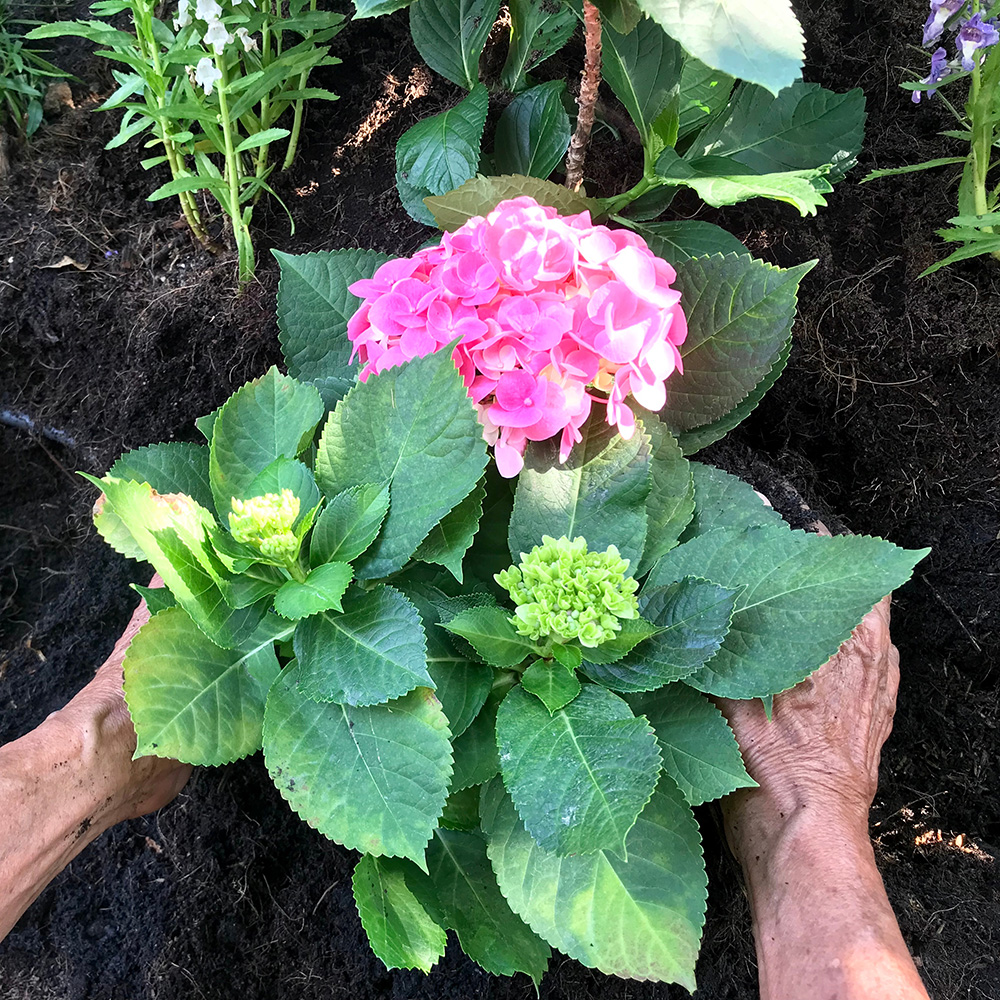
[
  {"x": 941, "y": 11},
  {"x": 975, "y": 34},
  {"x": 939, "y": 70}
]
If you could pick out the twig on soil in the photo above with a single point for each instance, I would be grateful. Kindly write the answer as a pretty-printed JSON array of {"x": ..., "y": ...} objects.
[
  {"x": 590, "y": 82},
  {"x": 954, "y": 615}
]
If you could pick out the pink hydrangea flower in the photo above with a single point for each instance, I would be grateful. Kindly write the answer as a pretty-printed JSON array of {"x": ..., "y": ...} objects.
[{"x": 554, "y": 313}]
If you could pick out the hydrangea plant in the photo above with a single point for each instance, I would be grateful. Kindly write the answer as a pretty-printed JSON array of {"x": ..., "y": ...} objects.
[{"x": 490, "y": 677}]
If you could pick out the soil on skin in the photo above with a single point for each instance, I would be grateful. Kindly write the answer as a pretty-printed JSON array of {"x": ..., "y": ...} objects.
[{"x": 115, "y": 331}]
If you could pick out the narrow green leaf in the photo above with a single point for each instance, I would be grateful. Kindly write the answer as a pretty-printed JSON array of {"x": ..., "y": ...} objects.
[
  {"x": 450, "y": 36},
  {"x": 373, "y": 779},
  {"x": 450, "y": 538},
  {"x": 264, "y": 138},
  {"x": 349, "y": 524},
  {"x": 321, "y": 590},
  {"x": 492, "y": 634},
  {"x": 552, "y": 683},
  {"x": 581, "y": 776},
  {"x": 533, "y": 132},
  {"x": 538, "y": 29}
]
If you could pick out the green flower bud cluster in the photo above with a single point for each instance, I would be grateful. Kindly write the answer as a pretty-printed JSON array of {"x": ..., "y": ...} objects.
[
  {"x": 265, "y": 523},
  {"x": 564, "y": 592}
]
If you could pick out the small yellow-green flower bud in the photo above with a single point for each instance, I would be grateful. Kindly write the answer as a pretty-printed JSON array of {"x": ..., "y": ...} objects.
[
  {"x": 265, "y": 523},
  {"x": 564, "y": 592}
]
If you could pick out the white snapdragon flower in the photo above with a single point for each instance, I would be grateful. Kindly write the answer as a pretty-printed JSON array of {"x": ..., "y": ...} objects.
[
  {"x": 208, "y": 10},
  {"x": 206, "y": 74},
  {"x": 217, "y": 36},
  {"x": 249, "y": 42},
  {"x": 183, "y": 18}
]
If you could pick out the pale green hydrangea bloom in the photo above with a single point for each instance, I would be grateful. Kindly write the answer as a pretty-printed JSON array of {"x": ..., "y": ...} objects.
[
  {"x": 564, "y": 592},
  {"x": 265, "y": 523}
]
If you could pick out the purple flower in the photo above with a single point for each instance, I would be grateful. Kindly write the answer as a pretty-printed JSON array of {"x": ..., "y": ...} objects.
[
  {"x": 941, "y": 11},
  {"x": 939, "y": 70},
  {"x": 975, "y": 34}
]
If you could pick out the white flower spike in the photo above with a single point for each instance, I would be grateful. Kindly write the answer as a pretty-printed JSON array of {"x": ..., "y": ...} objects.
[
  {"x": 249, "y": 42},
  {"x": 217, "y": 36},
  {"x": 208, "y": 10},
  {"x": 183, "y": 18},
  {"x": 206, "y": 74}
]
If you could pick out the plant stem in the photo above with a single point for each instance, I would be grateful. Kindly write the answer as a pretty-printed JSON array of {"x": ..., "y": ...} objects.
[
  {"x": 265, "y": 101},
  {"x": 241, "y": 232},
  {"x": 590, "y": 81},
  {"x": 293, "y": 139},
  {"x": 612, "y": 206}
]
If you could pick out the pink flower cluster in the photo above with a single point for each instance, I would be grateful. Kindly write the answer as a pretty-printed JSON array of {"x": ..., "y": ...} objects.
[{"x": 554, "y": 314}]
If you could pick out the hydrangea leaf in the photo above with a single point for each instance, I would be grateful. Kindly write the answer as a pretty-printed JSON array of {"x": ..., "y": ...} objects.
[
  {"x": 349, "y": 523},
  {"x": 476, "y": 755},
  {"x": 533, "y": 132},
  {"x": 551, "y": 683},
  {"x": 371, "y": 652},
  {"x": 693, "y": 617},
  {"x": 450, "y": 538},
  {"x": 157, "y": 598},
  {"x": 580, "y": 776},
  {"x": 699, "y": 749},
  {"x": 803, "y": 126},
  {"x": 377, "y": 8},
  {"x": 313, "y": 307},
  {"x": 481, "y": 195},
  {"x": 193, "y": 700},
  {"x": 632, "y": 632},
  {"x": 450, "y": 36},
  {"x": 670, "y": 503},
  {"x": 271, "y": 417},
  {"x": 682, "y": 239},
  {"x": 321, "y": 590},
  {"x": 704, "y": 94},
  {"x": 723, "y": 500},
  {"x": 643, "y": 68},
  {"x": 408, "y": 427},
  {"x": 492, "y": 635},
  {"x": 400, "y": 930},
  {"x": 802, "y": 597},
  {"x": 739, "y": 312},
  {"x": 638, "y": 919},
  {"x": 700, "y": 437},
  {"x": 172, "y": 467},
  {"x": 756, "y": 40},
  {"x": 373, "y": 779},
  {"x": 284, "y": 474},
  {"x": 460, "y": 891},
  {"x": 599, "y": 492},
  {"x": 537, "y": 30},
  {"x": 461, "y": 810}
]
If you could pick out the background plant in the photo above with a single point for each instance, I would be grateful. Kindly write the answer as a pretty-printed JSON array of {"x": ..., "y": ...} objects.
[
  {"x": 207, "y": 89},
  {"x": 976, "y": 61}
]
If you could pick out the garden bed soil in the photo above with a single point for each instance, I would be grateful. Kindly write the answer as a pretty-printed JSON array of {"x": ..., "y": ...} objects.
[{"x": 115, "y": 331}]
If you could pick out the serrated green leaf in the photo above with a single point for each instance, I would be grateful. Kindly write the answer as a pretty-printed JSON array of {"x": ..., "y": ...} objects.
[
  {"x": 172, "y": 467},
  {"x": 374, "y": 779},
  {"x": 284, "y": 474},
  {"x": 723, "y": 500},
  {"x": 552, "y": 683},
  {"x": 313, "y": 307},
  {"x": 481, "y": 195},
  {"x": 157, "y": 598},
  {"x": 581, "y": 776},
  {"x": 349, "y": 523},
  {"x": 537, "y": 30},
  {"x": 802, "y": 596},
  {"x": 670, "y": 503},
  {"x": 450, "y": 538},
  {"x": 533, "y": 132},
  {"x": 321, "y": 590},
  {"x": 450, "y": 36},
  {"x": 271, "y": 417},
  {"x": 412, "y": 198},
  {"x": 476, "y": 756},
  {"x": 371, "y": 652},
  {"x": 622, "y": 15},
  {"x": 756, "y": 40},
  {"x": 739, "y": 312},
  {"x": 461, "y": 810},
  {"x": 408, "y": 426},
  {"x": 632, "y": 632},
  {"x": 400, "y": 930},
  {"x": 704, "y": 93},
  {"x": 377, "y": 8},
  {"x": 803, "y": 126},
  {"x": 492, "y": 635},
  {"x": 639, "y": 919},
  {"x": 682, "y": 239},
  {"x": 569, "y": 656},
  {"x": 699, "y": 749},
  {"x": 193, "y": 700},
  {"x": 693, "y": 618},
  {"x": 599, "y": 492}
]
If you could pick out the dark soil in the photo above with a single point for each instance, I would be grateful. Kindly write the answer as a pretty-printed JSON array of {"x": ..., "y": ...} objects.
[{"x": 887, "y": 415}]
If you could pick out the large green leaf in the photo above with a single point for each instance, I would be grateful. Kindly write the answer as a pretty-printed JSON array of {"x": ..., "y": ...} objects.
[
  {"x": 538, "y": 28},
  {"x": 704, "y": 93},
  {"x": 373, "y": 779},
  {"x": 802, "y": 596},
  {"x": 552, "y": 683},
  {"x": 450, "y": 36},
  {"x": 377, "y": 8},
  {"x": 285, "y": 474},
  {"x": 804, "y": 126},
  {"x": 533, "y": 132},
  {"x": 314, "y": 305},
  {"x": 670, "y": 503},
  {"x": 193, "y": 700},
  {"x": 461, "y": 892},
  {"x": 349, "y": 523},
  {"x": 450, "y": 538},
  {"x": 320, "y": 591},
  {"x": 599, "y": 492},
  {"x": 172, "y": 467},
  {"x": 481, "y": 195},
  {"x": 401, "y": 932},
  {"x": 682, "y": 239},
  {"x": 490, "y": 631},
  {"x": 693, "y": 616},
  {"x": 476, "y": 756},
  {"x": 638, "y": 919},
  {"x": 442, "y": 152},
  {"x": 739, "y": 312},
  {"x": 699, "y": 749},
  {"x": 756, "y": 40},
  {"x": 579, "y": 776},
  {"x": 643, "y": 68},
  {"x": 372, "y": 652},
  {"x": 415, "y": 428},
  {"x": 271, "y": 417},
  {"x": 723, "y": 500}
]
